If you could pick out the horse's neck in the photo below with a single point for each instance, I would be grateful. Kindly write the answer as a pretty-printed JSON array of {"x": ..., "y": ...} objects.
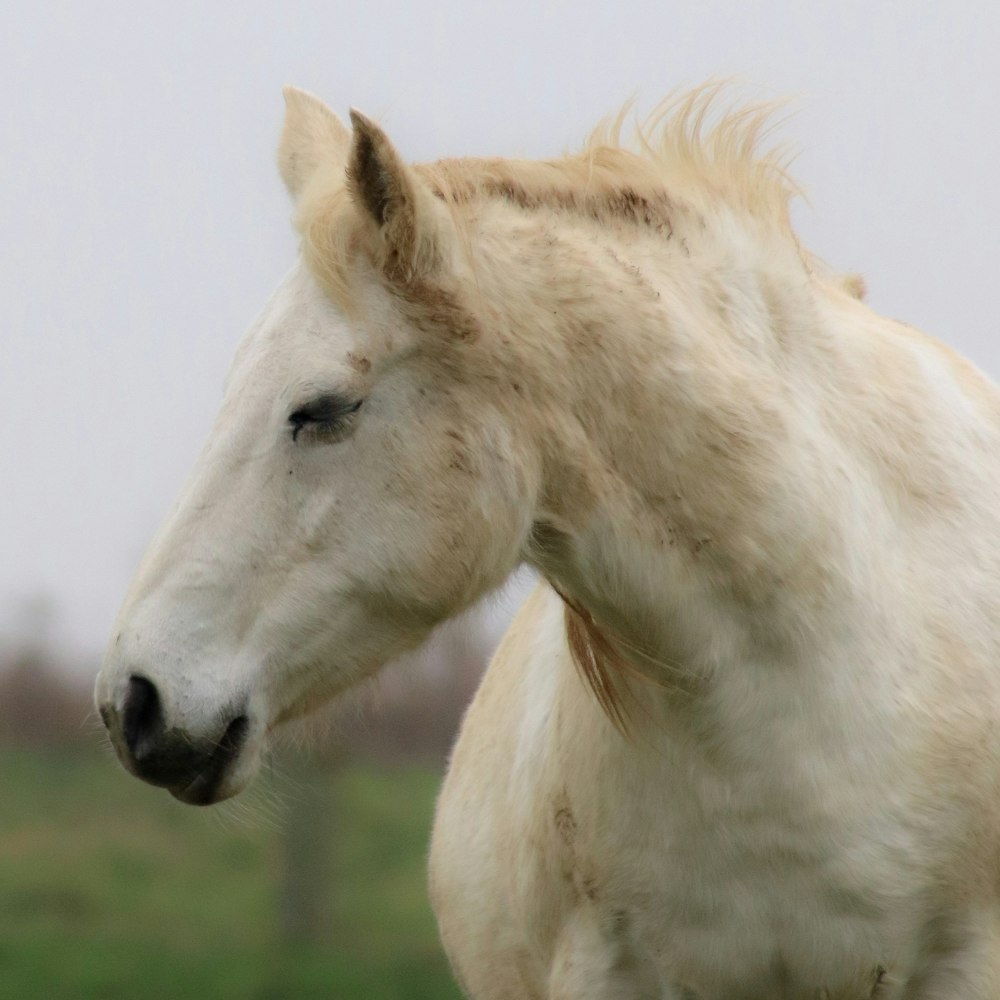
[{"x": 678, "y": 492}]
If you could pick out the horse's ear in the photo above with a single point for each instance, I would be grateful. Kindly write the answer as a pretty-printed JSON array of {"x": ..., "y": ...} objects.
[
  {"x": 313, "y": 136},
  {"x": 409, "y": 224}
]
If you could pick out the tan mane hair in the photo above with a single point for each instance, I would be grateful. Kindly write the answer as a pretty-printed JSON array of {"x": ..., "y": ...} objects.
[
  {"x": 601, "y": 666},
  {"x": 686, "y": 150},
  {"x": 692, "y": 151}
]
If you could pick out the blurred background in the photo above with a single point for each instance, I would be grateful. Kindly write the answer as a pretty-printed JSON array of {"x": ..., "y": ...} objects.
[{"x": 142, "y": 226}]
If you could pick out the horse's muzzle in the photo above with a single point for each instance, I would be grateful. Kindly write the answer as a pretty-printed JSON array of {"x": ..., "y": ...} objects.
[{"x": 193, "y": 768}]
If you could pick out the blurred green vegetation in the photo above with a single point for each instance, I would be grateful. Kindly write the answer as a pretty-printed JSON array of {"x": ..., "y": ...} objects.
[{"x": 111, "y": 889}]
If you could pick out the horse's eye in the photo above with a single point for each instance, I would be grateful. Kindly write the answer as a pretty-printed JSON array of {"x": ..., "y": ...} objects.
[{"x": 326, "y": 414}]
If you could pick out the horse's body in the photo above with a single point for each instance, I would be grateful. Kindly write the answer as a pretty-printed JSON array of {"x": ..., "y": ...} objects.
[
  {"x": 567, "y": 863},
  {"x": 743, "y": 745},
  {"x": 809, "y": 797}
]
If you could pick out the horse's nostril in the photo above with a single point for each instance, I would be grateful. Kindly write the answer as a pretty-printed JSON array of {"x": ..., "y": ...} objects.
[
  {"x": 142, "y": 716},
  {"x": 232, "y": 738},
  {"x": 192, "y": 763}
]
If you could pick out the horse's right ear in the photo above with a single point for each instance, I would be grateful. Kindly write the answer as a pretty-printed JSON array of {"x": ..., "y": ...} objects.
[
  {"x": 313, "y": 136},
  {"x": 410, "y": 228}
]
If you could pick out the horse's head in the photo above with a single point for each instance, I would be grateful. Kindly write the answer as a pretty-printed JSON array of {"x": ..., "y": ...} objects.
[{"x": 365, "y": 479}]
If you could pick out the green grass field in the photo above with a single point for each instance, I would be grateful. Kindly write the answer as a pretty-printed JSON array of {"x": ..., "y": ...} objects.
[{"x": 110, "y": 889}]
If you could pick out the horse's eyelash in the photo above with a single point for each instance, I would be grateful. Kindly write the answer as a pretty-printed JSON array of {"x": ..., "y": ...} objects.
[{"x": 324, "y": 410}]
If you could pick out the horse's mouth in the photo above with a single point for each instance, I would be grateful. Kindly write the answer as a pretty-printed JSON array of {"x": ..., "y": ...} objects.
[
  {"x": 211, "y": 784},
  {"x": 203, "y": 791}
]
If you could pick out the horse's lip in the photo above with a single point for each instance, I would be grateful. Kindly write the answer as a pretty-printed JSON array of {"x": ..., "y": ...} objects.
[
  {"x": 203, "y": 791},
  {"x": 207, "y": 787}
]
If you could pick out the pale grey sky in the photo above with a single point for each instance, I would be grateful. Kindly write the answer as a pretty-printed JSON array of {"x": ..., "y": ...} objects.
[{"x": 142, "y": 223}]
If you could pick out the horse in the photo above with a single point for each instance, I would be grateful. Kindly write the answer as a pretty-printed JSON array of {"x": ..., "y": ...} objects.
[{"x": 742, "y": 742}]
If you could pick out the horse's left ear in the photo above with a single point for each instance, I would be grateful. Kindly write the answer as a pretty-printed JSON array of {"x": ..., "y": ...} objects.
[{"x": 410, "y": 226}]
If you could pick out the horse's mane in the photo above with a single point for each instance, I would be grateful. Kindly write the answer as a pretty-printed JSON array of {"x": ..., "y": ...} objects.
[
  {"x": 688, "y": 149},
  {"x": 693, "y": 151}
]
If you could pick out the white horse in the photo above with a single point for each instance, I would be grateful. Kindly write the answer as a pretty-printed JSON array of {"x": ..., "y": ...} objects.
[{"x": 743, "y": 744}]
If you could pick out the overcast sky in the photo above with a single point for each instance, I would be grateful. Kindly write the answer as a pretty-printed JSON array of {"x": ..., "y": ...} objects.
[{"x": 142, "y": 223}]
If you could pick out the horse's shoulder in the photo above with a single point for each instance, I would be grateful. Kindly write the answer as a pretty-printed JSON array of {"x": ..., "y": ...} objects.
[
  {"x": 515, "y": 684},
  {"x": 489, "y": 811}
]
